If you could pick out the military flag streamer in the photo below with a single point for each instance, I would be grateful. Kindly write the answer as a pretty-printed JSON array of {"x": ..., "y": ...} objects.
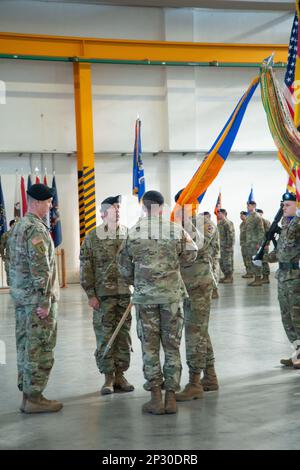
[
  {"x": 56, "y": 231},
  {"x": 23, "y": 197},
  {"x": 3, "y": 223},
  {"x": 216, "y": 157},
  {"x": 138, "y": 178}
]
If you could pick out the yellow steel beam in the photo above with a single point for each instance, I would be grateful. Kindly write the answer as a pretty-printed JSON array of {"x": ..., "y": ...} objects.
[
  {"x": 124, "y": 49},
  {"x": 85, "y": 147}
]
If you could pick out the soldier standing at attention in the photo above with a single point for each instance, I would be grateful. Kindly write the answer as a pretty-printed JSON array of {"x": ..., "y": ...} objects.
[
  {"x": 214, "y": 252},
  {"x": 34, "y": 289},
  {"x": 227, "y": 236},
  {"x": 287, "y": 254},
  {"x": 108, "y": 294},
  {"x": 265, "y": 264},
  {"x": 4, "y": 249},
  {"x": 254, "y": 236},
  {"x": 199, "y": 281},
  {"x": 247, "y": 262},
  {"x": 150, "y": 260}
]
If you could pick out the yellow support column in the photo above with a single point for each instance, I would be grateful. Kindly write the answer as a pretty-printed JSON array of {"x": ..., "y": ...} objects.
[{"x": 85, "y": 148}]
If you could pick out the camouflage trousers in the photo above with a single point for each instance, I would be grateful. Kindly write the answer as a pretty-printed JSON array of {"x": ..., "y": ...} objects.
[
  {"x": 226, "y": 261},
  {"x": 160, "y": 324},
  {"x": 199, "y": 350},
  {"x": 289, "y": 301},
  {"x": 35, "y": 339},
  {"x": 252, "y": 249},
  {"x": 105, "y": 321},
  {"x": 246, "y": 259}
]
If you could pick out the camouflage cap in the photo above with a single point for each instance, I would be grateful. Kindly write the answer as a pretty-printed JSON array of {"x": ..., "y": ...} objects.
[
  {"x": 289, "y": 196},
  {"x": 40, "y": 192}
]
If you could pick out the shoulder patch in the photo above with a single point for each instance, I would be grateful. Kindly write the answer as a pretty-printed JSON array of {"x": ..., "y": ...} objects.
[{"x": 35, "y": 241}]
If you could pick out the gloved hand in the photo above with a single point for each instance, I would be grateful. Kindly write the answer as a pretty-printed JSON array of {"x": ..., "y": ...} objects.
[{"x": 256, "y": 262}]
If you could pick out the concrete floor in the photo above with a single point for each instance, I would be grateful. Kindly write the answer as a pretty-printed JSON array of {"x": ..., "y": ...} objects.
[{"x": 257, "y": 406}]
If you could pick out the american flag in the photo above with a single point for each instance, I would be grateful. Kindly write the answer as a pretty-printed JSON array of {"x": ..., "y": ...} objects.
[{"x": 291, "y": 66}]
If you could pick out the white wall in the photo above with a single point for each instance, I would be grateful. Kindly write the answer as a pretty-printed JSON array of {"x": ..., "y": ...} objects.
[{"x": 181, "y": 108}]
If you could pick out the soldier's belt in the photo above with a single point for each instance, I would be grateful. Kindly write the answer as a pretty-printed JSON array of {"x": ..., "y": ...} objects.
[{"x": 288, "y": 266}]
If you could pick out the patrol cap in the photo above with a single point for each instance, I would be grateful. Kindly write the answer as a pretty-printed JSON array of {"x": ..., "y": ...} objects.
[
  {"x": 153, "y": 197},
  {"x": 176, "y": 197},
  {"x": 289, "y": 196},
  {"x": 109, "y": 201},
  {"x": 40, "y": 192}
]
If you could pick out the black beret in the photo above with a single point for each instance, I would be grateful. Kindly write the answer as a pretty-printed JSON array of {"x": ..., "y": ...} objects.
[
  {"x": 177, "y": 195},
  {"x": 40, "y": 192},
  {"x": 154, "y": 197},
  {"x": 109, "y": 201},
  {"x": 289, "y": 196}
]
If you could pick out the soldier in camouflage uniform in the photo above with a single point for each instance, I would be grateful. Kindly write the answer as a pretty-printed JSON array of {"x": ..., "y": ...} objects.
[
  {"x": 265, "y": 264},
  {"x": 108, "y": 295},
  {"x": 287, "y": 254},
  {"x": 243, "y": 243},
  {"x": 214, "y": 252},
  {"x": 4, "y": 249},
  {"x": 34, "y": 289},
  {"x": 254, "y": 237},
  {"x": 150, "y": 260},
  {"x": 227, "y": 236},
  {"x": 199, "y": 281}
]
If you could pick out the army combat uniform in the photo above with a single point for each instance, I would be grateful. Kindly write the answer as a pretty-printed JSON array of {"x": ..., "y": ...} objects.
[
  {"x": 243, "y": 244},
  {"x": 199, "y": 281},
  {"x": 150, "y": 260},
  {"x": 265, "y": 264},
  {"x": 100, "y": 278},
  {"x": 255, "y": 233},
  {"x": 4, "y": 253},
  {"x": 287, "y": 254},
  {"x": 33, "y": 284},
  {"x": 227, "y": 237}
]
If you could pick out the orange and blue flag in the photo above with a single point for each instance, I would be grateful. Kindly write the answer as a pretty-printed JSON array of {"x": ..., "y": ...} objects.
[
  {"x": 217, "y": 155},
  {"x": 138, "y": 179}
]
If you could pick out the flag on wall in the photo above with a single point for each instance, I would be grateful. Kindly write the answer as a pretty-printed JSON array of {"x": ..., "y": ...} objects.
[
  {"x": 23, "y": 196},
  {"x": 138, "y": 178},
  {"x": 47, "y": 217},
  {"x": 251, "y": 196},
  {"x": 55, "y": 222},
  {"x": 17, "y": 203},
  {"x": 218, "y": 205},
  {"x": 37, "y": 179},
  {"x": 216, "y": 157},
  {"x": 3, "y": 223},
  {"x": 29, "y": 182}
]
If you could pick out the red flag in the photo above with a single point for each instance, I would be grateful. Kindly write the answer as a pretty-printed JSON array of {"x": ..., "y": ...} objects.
[
  {"x": 218, "y": 206},
  {"x": 37, "y": 180},
  {"x": 45, "y": 180},
  {"x": 23, "y": 197}
]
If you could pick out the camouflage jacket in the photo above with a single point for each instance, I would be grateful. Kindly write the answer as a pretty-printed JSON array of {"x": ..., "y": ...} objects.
[
  {"x": 255, "y": 231},
  {"x": 227, "y": 234},
  {"x": 32, "y": 266},
  {"x": 150, "y": 259},
  {"x": 288, "y": 249},
  {"x": 99, "y": 275},
  {"x": 4, "y": 245},
  {"x": 200, "y": 273},
  {"x": 243, "y": 234},
  {"x": 267, "y": 225}
]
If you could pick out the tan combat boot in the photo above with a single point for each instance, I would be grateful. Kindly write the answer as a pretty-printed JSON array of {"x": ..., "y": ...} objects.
[
  {"x": 121, "y": 384},
  {"x": 209, "y": 380},
  {"x": 108, "y": 386},
  {"x": 287, "y": 362},
  {"x": 170, "y": 402},
  {"x": 265, "y": 279},
  {"x": 193, "y": 390},
  {"x": 247, "y": 276},
  {"x": 257, "y": 282},
  {"x": 228, "y": 279},
  {"x": 40, "y": 404},
  {"x": 22, "y": 406},
  {"x": 155, "y": 406}
]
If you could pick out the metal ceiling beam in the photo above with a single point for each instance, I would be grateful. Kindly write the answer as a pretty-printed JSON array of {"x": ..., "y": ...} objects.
[{"x": 14, "y": 44}]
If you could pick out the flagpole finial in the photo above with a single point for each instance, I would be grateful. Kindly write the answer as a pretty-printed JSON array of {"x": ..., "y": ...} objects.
[{"x": 138, "y": 117}]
